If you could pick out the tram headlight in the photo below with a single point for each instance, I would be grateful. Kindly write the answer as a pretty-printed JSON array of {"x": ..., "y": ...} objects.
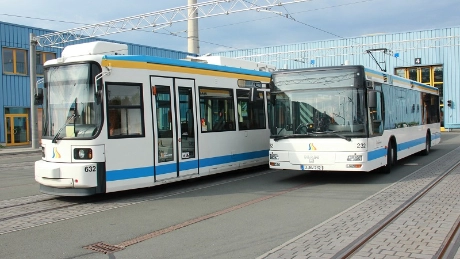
[
  {"x": 355, "y": 158},
  {"x": 83, "y": 153}
]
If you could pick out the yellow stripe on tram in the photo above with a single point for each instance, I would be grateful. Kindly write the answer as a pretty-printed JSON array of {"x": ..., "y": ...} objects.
[{"x": 179, "y": 69}]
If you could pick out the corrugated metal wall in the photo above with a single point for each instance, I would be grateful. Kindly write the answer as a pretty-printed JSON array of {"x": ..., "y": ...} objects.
[
  {"x": 434, "y": 47},
  {"x": 15, "y": 89}
]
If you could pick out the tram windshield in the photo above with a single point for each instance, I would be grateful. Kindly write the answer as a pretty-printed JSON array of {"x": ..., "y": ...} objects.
[
  {"x": 327, "y": 103},
  {"x": 70, "y": 107}
]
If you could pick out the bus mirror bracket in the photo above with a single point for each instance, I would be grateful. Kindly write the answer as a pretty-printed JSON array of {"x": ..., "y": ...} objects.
[
  {"x": 98, "y": 87},
  {"x": 370, "y": 85}
]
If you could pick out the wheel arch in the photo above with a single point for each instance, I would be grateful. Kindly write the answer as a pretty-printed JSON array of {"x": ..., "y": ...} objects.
[{"x": 394, "y": 144}]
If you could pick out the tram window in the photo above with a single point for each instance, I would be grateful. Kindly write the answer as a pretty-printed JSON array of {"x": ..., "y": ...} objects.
[
  {"x": 251, "y": 115},
  {"x": 124, "y": 110},
  {"x": 217, "y": 110}
]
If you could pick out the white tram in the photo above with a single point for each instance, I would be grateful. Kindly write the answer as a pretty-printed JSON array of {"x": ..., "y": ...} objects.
[{"x": 113, "y": 121}]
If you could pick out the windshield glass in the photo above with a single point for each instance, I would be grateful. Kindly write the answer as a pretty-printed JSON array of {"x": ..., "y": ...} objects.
[
  {"x": 320, "y": 104},
  {"x": 70, "y": 109}
]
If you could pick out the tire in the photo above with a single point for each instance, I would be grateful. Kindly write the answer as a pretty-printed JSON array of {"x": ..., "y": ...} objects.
[
  {"x": 427, "y": 149},
  {"x": 391, "y": 159}
]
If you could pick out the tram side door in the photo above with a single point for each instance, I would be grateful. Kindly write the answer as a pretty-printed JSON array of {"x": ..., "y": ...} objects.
[
  {"x": 186, "y": 126},
  {"x": 171, "y": 107}
]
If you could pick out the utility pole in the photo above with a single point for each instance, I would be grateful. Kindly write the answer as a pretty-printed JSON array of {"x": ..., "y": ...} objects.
[
  {"x": 33, "y": 86},
  {"x": 192, "y": 39}
]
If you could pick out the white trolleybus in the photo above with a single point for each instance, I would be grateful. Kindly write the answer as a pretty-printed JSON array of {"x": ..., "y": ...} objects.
[
  {"x": 114, "y": 122},
  {"x": 349, "y": 118}
]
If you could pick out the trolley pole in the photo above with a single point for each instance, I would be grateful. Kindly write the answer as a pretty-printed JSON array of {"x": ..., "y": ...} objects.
[
  {"x": 192, "y": 30},
  {"x": 33, "y": 86}
]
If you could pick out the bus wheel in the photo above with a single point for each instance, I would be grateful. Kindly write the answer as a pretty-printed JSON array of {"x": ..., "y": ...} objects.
[
  {"x": 427, "y": 149},
  {"x": 391, "y": 156}
]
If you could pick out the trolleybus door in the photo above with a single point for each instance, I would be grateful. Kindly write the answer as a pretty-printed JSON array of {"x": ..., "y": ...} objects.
[
  {"x": 186, "y": 126},
  {"x": 170, "y": 155}
]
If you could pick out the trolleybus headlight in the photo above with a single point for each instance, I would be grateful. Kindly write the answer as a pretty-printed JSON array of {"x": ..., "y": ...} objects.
[
  {"x": 355, "y": 158},
  {"x": 83, "y": 153}
]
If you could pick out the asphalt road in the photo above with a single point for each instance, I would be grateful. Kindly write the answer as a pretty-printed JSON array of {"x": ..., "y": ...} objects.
[{"x": 234, "y": 215}]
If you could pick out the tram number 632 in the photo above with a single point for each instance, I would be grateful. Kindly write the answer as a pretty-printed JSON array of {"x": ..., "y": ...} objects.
[{"x": 90, "y": 168}]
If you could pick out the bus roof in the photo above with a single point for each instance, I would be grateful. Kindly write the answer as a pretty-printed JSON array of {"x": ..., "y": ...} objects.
[{"x": 374, "y": 75}]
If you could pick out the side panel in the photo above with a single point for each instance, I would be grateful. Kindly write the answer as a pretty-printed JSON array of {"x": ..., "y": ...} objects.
[{"x": 129, "y": 157}]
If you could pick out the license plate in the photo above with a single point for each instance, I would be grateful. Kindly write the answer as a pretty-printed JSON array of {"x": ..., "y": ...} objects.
[{"x": 311, "y": 167}]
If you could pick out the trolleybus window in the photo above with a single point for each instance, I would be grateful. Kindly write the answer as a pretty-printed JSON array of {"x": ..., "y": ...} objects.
[
  {"x": 164, "y": 126},
  {"x": 217, "y": 110},
  {"x": 124, "y": 108},
  {"x": 187, "y": 123},
  {"x": 251, "y": 115}
]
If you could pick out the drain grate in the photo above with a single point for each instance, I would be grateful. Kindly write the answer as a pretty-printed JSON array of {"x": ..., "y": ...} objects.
[{"x": 104, "y": 248}]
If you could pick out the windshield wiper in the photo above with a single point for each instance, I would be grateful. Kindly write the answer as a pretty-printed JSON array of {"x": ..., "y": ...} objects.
[
  {"x": 333, "y": 133},
  {"x": 65, "y": 124},
  {"x": 341, "y": 136},
  {"x": 291, "y": 136}
]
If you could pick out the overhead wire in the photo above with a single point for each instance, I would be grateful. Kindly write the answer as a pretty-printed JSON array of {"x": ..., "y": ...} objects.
[
  {"x": 215, "y": 27},
  {"x": 289, "y": 16}
]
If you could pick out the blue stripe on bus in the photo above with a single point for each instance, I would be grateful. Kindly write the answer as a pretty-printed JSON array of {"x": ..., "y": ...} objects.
[
  {"x": 132, "y": 173},
  {"x": 411, "y": 143},
  {"x": 375, "y": 154},
  {"x": 233, "y": 158}
]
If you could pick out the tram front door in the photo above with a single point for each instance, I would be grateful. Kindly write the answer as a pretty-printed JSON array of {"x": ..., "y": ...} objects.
[{"x": 17, "y": 129}]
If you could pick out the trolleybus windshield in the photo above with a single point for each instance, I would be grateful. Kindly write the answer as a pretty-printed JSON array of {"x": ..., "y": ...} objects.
[
  {"x": 318, "y": 104},
  {"x": 70, "y": 108}
]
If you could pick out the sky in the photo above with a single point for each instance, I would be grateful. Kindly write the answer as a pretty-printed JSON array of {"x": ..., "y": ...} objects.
[{"x": 312, "y": 20}]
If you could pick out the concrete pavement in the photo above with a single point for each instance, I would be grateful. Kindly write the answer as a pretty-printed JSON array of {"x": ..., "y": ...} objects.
[
  {"x": 18, "y": 150},
  {"x": 419, "y": 232}
]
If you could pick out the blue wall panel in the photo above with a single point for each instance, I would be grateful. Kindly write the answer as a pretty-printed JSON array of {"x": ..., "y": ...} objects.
[
  {"x": 15, "y": 89},
  {"x": 434, "y": 47}
]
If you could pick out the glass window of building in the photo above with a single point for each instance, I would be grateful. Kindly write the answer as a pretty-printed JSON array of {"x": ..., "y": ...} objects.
[
  {"x": 41, "y": 58},
  {"x": 14, "y": 61}
]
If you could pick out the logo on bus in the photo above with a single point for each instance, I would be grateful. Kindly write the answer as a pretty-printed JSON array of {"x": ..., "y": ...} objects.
[
  {"x": 311, "y": 147},
  {"x": 56, "y": 153}
]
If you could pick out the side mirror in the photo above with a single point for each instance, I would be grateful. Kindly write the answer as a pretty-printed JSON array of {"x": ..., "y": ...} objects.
[
  {"x": 39, "y": 96},
  {"x": 98, "y": 89},
  {"x": 372, "y": 99}
]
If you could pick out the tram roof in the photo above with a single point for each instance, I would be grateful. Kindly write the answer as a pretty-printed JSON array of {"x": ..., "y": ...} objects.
[{"x": 185, "y": 63}]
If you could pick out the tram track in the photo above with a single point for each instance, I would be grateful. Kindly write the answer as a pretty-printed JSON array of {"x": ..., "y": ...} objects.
[
  {"x": 447, "y": 247},
  {"x": 33, "y": 211},
  {"x": 451, "y": 244},
  {"x": 28, "y": 200}
]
